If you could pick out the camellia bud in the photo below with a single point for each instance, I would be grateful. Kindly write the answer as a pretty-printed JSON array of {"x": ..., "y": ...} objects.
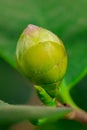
[{"x": 41, "y": 56}]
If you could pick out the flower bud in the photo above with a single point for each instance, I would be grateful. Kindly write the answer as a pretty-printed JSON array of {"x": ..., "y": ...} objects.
[{"x": 41, "y": 56}]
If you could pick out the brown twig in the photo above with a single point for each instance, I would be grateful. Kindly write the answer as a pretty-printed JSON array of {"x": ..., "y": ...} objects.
[{"x": 76, "y": 114}]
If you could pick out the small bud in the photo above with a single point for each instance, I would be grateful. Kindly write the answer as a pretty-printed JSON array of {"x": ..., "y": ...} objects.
[{"x": 41, "y": 56}]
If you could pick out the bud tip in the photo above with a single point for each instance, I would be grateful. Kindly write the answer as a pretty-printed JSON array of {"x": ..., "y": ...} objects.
[{"x": 30, "y": 28}]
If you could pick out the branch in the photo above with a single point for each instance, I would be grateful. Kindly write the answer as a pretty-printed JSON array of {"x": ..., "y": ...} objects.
[{"x": 78, "y": 115}]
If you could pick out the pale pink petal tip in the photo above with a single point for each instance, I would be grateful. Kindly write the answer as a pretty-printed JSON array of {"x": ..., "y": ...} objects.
[{"x": 31, "y": 28}]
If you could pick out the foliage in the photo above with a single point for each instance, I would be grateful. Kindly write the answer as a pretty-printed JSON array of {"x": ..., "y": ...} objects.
[{"x": 68, "y": 20}]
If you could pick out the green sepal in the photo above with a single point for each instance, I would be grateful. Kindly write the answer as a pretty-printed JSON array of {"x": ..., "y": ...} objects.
[{"x": 44, "y": 96}]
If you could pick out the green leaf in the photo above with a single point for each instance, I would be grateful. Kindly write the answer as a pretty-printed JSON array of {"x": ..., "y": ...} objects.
[
  {"x": 63, "y": 124},
  {"x": 3, "y": 103},
  {"x": 16, "y": 113},
  {"x": 14, "y": 88},
  {"x": 67, "y": 20},
  {"x": 79, "y": 94}
]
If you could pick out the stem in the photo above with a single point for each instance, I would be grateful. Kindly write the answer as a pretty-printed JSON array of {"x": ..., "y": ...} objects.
[
  {"x": 65, "y": 94},
  {"x": 78, "y": 115},
  {"x": 10, "y": 114}
]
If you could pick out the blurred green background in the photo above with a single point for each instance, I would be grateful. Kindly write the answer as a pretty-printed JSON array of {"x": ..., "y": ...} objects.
[{"x": 68, "y": 19}]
